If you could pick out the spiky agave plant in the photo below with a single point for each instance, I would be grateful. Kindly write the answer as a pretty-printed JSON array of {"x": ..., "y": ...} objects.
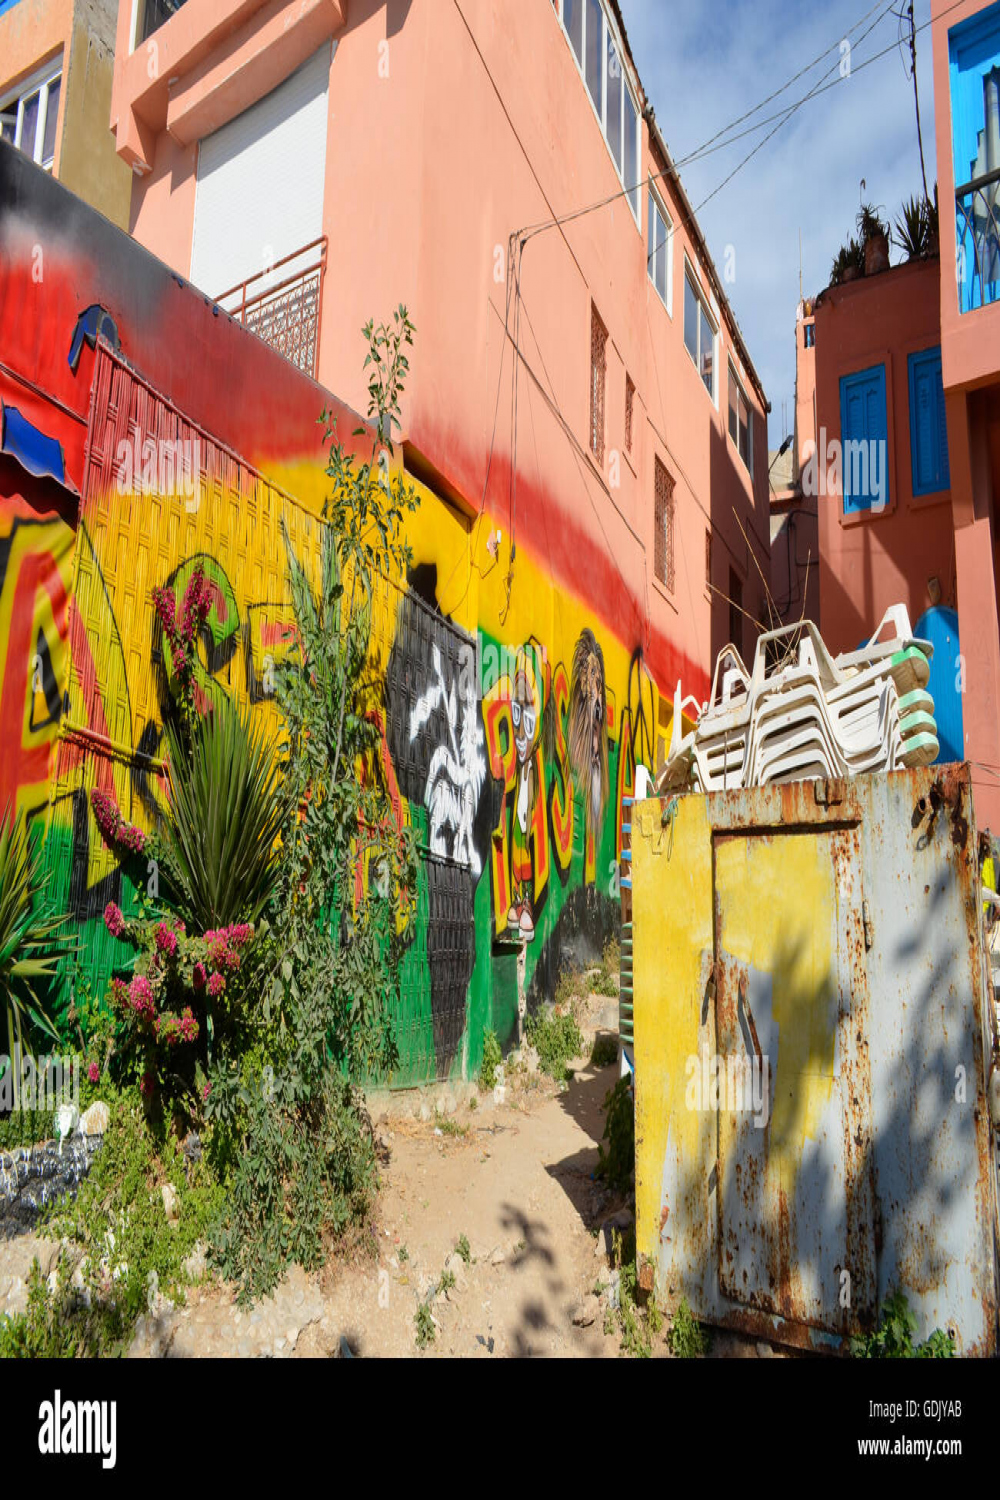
[
  {"x": 32, "y": 939},
  {"x": 228, "y": 801}
]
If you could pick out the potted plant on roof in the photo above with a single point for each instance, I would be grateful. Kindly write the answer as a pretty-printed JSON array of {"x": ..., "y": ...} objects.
[
  {"x": 848, "y": 264},
  {"x": 912, "y": 229},
  {"x": 874, "y": 239}
]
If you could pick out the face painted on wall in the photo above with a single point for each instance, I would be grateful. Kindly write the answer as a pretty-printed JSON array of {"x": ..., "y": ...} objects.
[{"x": 524, "y": 716}]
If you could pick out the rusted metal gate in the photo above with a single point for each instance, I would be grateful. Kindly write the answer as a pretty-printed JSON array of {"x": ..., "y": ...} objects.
[{"x": 812, "y": 1029}]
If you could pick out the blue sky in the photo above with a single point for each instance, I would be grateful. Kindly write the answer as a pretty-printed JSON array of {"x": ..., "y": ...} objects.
[{"x": 708, "y": 61}]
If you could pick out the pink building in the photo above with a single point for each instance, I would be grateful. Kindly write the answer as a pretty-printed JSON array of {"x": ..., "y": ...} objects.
[
  {"x": 904, "y": 372},
  {"x": 966, "y": 41},
  {"x": 333, "y": 158}
]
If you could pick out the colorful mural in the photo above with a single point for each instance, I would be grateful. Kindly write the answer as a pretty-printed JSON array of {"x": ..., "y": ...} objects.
[{"x": 500, "y": 735}]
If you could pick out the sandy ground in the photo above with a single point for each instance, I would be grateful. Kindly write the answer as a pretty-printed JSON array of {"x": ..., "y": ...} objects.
[{"x": 513, "y": 1175}]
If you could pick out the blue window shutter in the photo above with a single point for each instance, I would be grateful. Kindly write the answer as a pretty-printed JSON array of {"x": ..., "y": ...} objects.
[
  {"x": 928, "y": 427},
  {"x": 864, "y": 419}
]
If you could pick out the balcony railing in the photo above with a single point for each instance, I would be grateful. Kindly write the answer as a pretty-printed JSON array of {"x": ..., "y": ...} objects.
[
  {"x": 155, "y": 13},
  {"x": 977, "y": 211},
  {"x": 284, "y": 309}
]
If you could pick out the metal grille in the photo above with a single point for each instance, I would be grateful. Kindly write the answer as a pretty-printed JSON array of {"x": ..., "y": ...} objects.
[
  {"x": 285, "y": 315},
  {"x": 598, "y": 372},
  {"x": 663, "y": 554},
  {"x": 629, "y": 399}
]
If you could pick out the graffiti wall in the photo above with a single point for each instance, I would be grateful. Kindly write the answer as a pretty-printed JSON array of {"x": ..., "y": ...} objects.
[{"x": 511, "y": 716}]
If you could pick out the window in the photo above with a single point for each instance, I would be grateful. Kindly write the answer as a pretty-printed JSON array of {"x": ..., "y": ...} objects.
[
  {"x": 928, "y": 428},
  {"x": 153, "y": 15},
  {"x": 699, "y": 333},
  {"x": 740, "y": 420},
  {"x": 660, "y": 245},
  {"x": 600, "y": 58},
  {"x": 28, "y": 119},
  {"x": 598, "y": 373},
  {"x": 708, "y": 557},
  {"x": 974, "y": 75},
  {"x": 864, "y": 437},
  {"x": 809, "y": 335},
  {"x": 629, "y": 403},
  {"x": 735, "y": 610},
  {"x": 663, "y": 519}
]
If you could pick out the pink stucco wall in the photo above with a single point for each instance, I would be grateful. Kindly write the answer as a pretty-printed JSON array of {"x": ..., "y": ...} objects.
[{"x": 451, "y": 126}]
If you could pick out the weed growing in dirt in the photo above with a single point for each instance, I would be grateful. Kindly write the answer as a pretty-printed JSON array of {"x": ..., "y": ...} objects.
[
  {"x": 452, "y": 1127},
  {"x": 687, "y": 1339},
  {"x": 556, "y": 1039},
  {"x": 606, "y": 982},
  {"x": 893, "y": 1338},
  {"x": 617, "y": 1164},
  {"x": 604, "y": 1051},
  {"x": 568, "y": 986},
  {"x": 464, "y": 1249},
  {"x": 447, "y": 1281},
  {"x": 404, "y": 1254},
  {"x": 492, "y": 1058},
  {"x": 423, "y": 1322},
  {"x": 638, "y": 1328}
]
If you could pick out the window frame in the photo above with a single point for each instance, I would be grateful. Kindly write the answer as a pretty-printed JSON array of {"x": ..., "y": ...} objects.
[
  {"x": 609, "y": 35},
  {"x": 706, "y": 312},
  {"x": 597, "y": 322},
  {"x": 734, "y": 380},
  {"x": 853, "y": 508},
  {"x": 669, "y": 582},
  {"x": 922, "y": 356},
  {"x": 667, "y": 248},
  {"x": 40, "y": 82}
]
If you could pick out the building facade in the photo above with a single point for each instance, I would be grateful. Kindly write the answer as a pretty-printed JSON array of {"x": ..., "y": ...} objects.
[
  {"x": 582, "y": 420},
  {"x": 56, "y": 72},
  {"x": 966, "y": 42}
]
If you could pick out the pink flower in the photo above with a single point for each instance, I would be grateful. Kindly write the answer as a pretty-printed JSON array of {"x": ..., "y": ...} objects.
[
  {"x": 113, "y": 920},
  {"x": 199, "y": 976},
  {"x": 94, "y": 1072},
  {"x": 166, "y": 940},
  {"x": 216, "y": 985},
  {"x": 206, "y": 1091},
  {"x": 140, "y": 995}
]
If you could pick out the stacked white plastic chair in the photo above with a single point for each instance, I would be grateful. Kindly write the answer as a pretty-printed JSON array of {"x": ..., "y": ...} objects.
[{"x": 802, "y": 714}]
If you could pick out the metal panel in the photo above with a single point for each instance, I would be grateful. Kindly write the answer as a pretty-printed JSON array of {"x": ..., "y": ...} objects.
[{"x": 831, "y": 931}]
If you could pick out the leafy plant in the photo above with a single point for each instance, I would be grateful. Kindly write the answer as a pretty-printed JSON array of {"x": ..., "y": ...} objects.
[
  {"x": 893, "y": 1338},
  {"x": 607, "y": 979},
  {"x": 850, "y": 257},
  {"x": 447, "y": 1281},
  {"x": 617, "y": 1164},
  {"x": 568, "y": 986},
  {"x": 228, "y": 804},
  {"x": 492, "y": 1058},
  {"x": 687, "y": 1339},
  {"x": 32, "y": 939},
  {"x": 464, "y": 1249},
  {"x": 302, "y": 1161},
  {"x": 130, "y": 1250},
  {"x": 423, "y": 1322},
  {"x": 555, "y": 1039},
  {"x": 870, "y": 225},
  {"x": 912, "y": 229},
  {"x": 604, "y": 1051}
]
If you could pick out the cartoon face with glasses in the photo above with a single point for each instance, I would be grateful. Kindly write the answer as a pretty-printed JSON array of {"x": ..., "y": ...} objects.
[{"x": 525, "y": 713}]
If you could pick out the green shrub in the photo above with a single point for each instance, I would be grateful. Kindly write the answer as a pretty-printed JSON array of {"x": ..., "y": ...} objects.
[
  {"x": 687, "y": 1338},
  {"x": 893, "y": 1338},
  {"x": 604, "y": 1051},
  {"x": 492, "y": 1058},
  {"x": 617, "y": 1164},
  {"x": 555, "y": 1039}
]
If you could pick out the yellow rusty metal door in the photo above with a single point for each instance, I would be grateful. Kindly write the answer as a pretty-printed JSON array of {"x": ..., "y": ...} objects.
[{"x": 794, "y": 1194}]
